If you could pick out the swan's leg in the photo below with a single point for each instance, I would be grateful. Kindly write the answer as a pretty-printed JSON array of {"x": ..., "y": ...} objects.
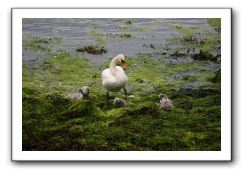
[
  {"x": 107, "y": 96},
  {"x": 125, "y": 91}
]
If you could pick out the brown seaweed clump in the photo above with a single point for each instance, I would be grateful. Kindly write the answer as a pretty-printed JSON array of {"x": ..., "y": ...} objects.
[{"x": 92, "y": 50}]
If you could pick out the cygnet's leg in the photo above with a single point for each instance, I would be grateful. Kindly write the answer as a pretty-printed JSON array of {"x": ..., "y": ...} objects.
[
  {"x": 125, "y": 91},
  {"x": 107, "y": 96}
]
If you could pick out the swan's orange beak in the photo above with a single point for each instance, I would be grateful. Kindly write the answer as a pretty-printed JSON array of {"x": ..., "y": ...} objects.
[{"x": 124, "y": 66}]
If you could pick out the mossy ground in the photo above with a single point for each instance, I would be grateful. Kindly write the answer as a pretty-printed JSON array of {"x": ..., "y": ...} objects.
[
  {"x": 53, "y": 121},
  {"x": 43, "y": 44}
]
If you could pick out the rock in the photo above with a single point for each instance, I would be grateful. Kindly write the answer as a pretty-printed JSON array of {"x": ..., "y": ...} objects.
[{"x": 131, "y": 96}]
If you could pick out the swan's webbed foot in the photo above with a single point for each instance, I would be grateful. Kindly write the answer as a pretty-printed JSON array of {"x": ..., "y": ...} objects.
[{"x": 125, "y": 91}]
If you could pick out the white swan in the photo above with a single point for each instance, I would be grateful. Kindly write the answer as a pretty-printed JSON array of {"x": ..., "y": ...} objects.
[{"x": 114, "y": 78}]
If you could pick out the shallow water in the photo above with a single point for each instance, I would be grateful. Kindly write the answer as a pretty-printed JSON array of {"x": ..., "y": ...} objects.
[{"x": 75, "y": 33}]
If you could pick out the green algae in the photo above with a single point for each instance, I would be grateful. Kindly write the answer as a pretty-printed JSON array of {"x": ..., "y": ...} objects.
[
  {"x": 100, "y": 38},
  {"x": 42, "y": 44},
  {"x": 215, "y": 22},
  {"x": 199, "y": 39},
  {"x": 126, "y": 25},
  {"x": 52, "y": 121}
]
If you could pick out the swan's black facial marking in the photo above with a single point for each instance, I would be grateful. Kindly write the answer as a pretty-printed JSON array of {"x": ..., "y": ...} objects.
[{"x": 123, "y": 64}]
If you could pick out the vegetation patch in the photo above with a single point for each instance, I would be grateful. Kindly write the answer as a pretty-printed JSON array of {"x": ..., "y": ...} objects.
[
  {"x": 200, "y": 44},
  {"x": 126, "y": 25},
  {"x": 92, "y": 50},
  {"x": 152, "y": 46},
  {"x": 100, "y": 38},
  {"x": 216, "y": 23},
  {"x": 204, "y": 56},
  {"x": 42, "y": 44},
  {"x": 120, "y": 35},
  {"x": 217, "y": 77},
  {"x": 52, "y": 121}
]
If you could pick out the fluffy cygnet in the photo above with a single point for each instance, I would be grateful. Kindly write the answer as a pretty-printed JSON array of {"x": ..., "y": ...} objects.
[
  {"x": 76, "y": 96},
  {"x": 119, "y": 102},
  {"x": 85, "y": 90},
  {"x": 165, "y": 102}
]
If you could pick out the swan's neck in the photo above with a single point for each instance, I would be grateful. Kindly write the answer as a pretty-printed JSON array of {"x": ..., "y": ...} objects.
[{"x": 113, "y": 66}]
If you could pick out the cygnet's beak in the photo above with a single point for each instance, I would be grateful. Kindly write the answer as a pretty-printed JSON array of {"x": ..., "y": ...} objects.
[{"x": 124, "y": 65}]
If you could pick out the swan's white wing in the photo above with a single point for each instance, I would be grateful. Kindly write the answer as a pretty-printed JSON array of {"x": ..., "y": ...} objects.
[
  {"x": 106, "y": 76},
  {"x": 120, "y": 69},
  {"x": 114, "y": 83},
  {"x": 121, "y": 73}
]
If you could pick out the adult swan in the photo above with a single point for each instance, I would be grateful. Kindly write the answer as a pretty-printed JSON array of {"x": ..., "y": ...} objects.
[{"x": 114, "y": 78}]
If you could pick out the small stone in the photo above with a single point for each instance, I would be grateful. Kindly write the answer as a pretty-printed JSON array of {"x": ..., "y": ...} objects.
[{"x": 131, "y": 96}]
